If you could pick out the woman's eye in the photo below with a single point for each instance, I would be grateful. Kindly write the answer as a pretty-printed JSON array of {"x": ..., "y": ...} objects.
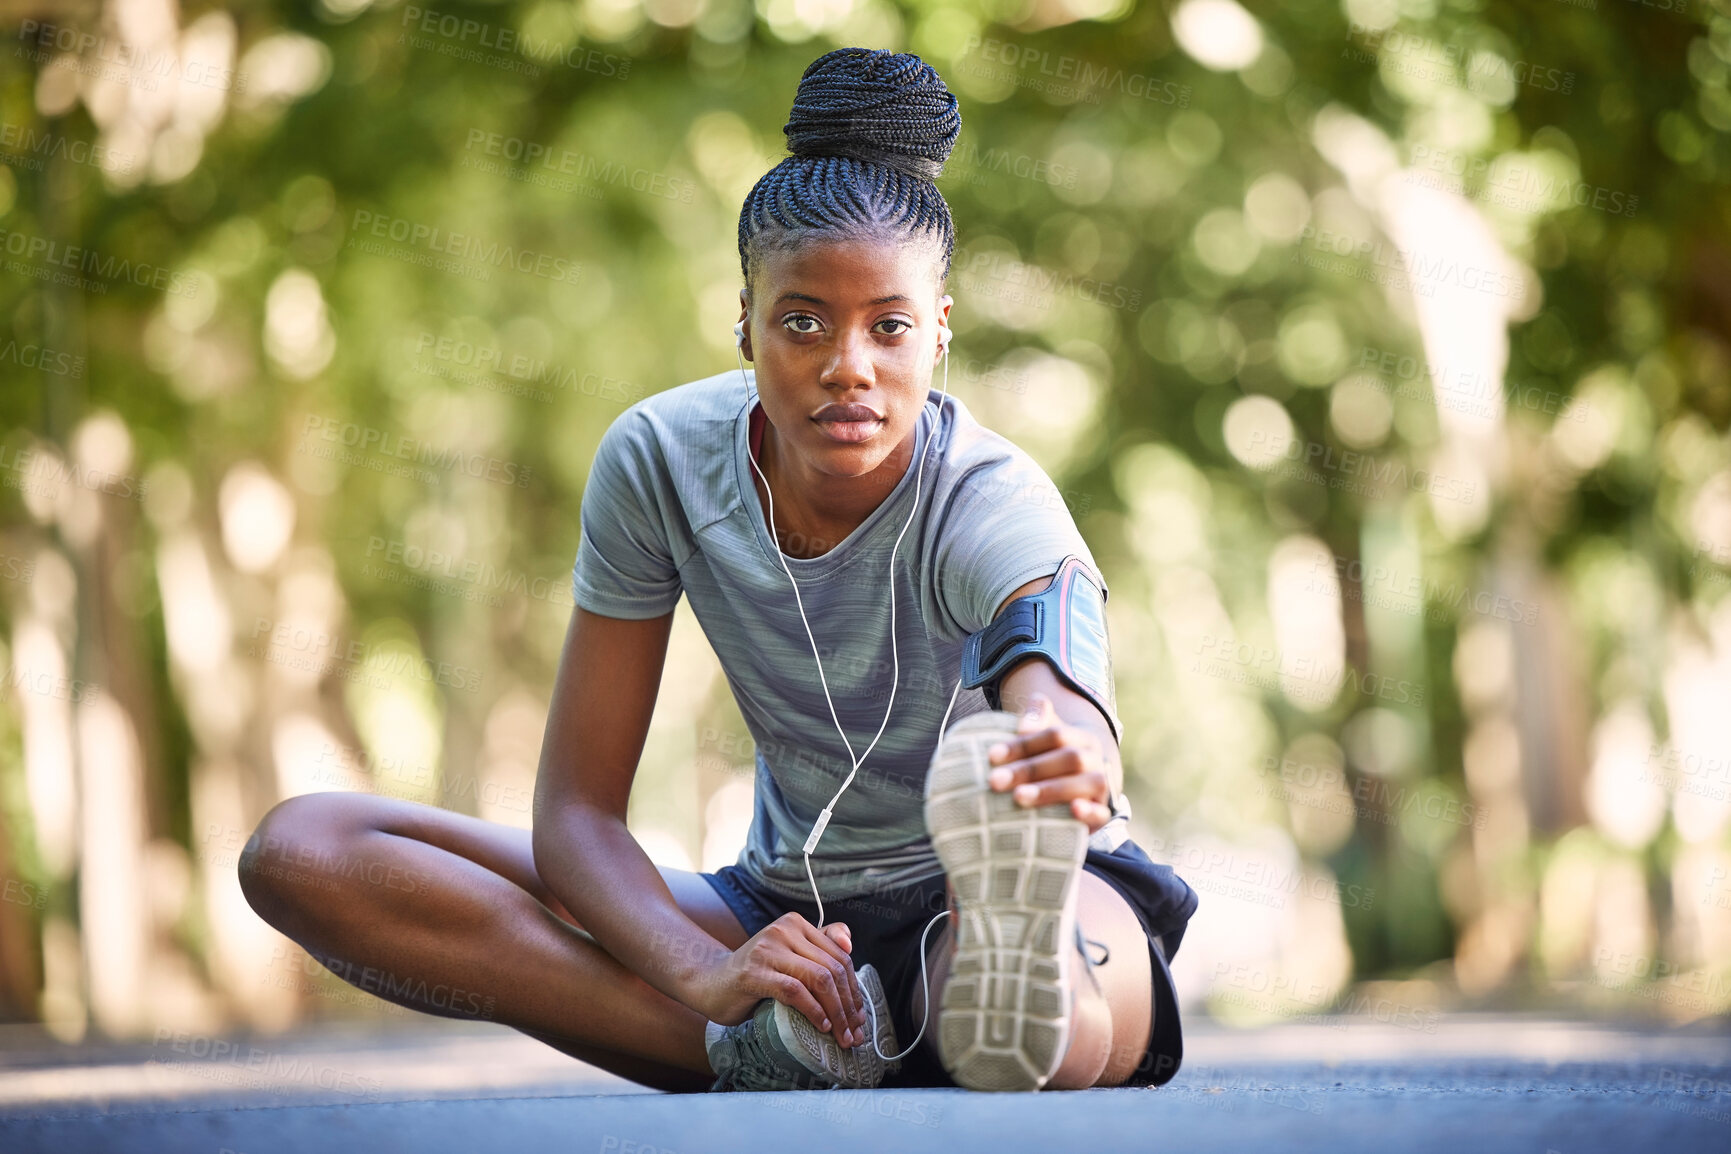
[
  {"x": 905, "y": 326},
  {"x": 794, "y": 323}
]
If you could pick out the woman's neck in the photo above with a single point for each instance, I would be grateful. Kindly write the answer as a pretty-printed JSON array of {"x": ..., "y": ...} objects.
[{"x": 814, "y": 512}]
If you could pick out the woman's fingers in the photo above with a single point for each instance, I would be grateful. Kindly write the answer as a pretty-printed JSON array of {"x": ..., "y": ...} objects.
[
  {"x": 792, "y": 990},
  {"x": 852, "y": 994},
  {"x": 837, "y": 989},
  {"x": 1061, "y": 762},
  {"x": 842, "y": 935},
  {"x": 1094, "y": 813},
  {"x": 830, "y": 982},
  {"x": 1090, "y": 786}
]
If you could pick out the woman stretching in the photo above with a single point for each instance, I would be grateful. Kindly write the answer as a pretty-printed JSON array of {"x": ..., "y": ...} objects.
[{"x": 915, "y": 635}]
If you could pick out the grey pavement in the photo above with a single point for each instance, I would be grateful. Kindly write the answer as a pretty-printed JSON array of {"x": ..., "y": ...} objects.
[{"x": 1476, "y": 1084}]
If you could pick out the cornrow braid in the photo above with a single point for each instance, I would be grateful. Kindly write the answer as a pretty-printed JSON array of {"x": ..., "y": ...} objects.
[{"x": 869, "y": 133}]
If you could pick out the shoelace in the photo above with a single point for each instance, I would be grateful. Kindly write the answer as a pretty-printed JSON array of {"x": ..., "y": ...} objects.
[{"x": 1082, "y": 944}]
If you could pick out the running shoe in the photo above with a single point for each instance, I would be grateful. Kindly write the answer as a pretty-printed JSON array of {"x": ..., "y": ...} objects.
[
  {"x": 777, "y": 1048},
  {"x": 1007, "y": 1009}
]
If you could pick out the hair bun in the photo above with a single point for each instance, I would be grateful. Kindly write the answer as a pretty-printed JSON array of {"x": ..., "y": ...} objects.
[{"x": 888, "y": 108}]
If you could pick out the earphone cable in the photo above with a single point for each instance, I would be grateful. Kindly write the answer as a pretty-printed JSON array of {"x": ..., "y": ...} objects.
[{"x": 895, "y": 677}]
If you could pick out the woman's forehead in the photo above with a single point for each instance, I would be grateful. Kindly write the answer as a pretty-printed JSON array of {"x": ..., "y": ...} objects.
[{"x": 853, "y": 270}]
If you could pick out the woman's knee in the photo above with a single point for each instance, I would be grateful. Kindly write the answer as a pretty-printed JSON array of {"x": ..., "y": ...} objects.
[{"x": 292, "y": 842}]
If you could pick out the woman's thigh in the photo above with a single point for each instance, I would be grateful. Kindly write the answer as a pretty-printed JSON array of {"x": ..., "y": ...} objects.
[{"x": 324, "y": 818}]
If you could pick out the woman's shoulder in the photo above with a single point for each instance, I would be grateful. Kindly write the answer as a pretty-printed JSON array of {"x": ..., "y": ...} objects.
[
  {"x": 717, "y": 399},
  {"x": 983, "y": 462}
]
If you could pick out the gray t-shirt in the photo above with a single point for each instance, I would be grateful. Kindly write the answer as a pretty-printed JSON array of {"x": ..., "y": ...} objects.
[{"x": 670, "y": 505}]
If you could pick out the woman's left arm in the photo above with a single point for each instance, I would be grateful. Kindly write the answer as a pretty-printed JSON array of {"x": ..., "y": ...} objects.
[{"x": 1064, "y": 750}]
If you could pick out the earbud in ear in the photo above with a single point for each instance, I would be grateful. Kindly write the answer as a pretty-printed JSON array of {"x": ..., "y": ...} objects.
[
  {"x": 944, "y": 335},
  {"x": 739, "y": 333}
]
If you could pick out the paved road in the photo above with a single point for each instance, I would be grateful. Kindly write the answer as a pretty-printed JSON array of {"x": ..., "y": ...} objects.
[{"x": 1475, "y": 1086}]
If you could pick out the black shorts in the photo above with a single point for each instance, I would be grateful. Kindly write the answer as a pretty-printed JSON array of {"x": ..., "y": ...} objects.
[{"x": 886, "y": 927}]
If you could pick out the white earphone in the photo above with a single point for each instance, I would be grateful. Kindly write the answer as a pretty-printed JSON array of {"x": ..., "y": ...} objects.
[{"x": 895, "y": 676}]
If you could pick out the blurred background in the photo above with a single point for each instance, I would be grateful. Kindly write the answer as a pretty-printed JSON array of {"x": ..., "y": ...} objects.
[{"x": 1378, "y": 348}]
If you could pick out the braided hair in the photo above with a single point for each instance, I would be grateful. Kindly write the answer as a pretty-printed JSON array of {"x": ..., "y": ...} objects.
[{"x": 869, "y": 133}]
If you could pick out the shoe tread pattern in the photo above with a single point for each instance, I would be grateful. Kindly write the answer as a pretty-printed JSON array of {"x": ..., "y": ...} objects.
[{"x": 1004, "y": 1017}]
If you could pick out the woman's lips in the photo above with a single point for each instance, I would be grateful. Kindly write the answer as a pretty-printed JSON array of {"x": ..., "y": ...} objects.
[
  {"x": 849, "y": 432},
  {"x": 850, "y": 423}
]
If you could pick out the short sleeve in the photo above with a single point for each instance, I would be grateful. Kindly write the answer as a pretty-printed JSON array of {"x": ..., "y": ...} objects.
[
  {"x": 1008, "y": 524},
  {"x": 624, "y": 565}
]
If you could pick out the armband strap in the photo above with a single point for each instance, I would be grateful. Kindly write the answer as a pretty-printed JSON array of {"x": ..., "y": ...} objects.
[{"x": 1065, "y": 624}]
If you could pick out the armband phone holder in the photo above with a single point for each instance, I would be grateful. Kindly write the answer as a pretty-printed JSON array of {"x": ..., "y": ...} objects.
[{"x": 1065, "y": 624}]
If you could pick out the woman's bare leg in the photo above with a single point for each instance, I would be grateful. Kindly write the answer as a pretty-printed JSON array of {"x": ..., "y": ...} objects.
[
  {"x": 416, "y": 904},
  {"x": 1111, "y": 1033}
]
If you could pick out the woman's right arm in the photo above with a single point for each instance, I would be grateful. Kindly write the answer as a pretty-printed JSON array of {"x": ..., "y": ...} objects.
[{"x": 603, "y": 697}]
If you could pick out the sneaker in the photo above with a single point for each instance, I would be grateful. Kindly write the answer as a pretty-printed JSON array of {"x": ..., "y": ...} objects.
[
  {"x": 1007, "y": 1009},
  {"x": 778, "y": 1049}
]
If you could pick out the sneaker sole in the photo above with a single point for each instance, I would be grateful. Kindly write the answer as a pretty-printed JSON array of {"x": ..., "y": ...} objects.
[
  {"x": 857, "y": 1069},
  {"x": 1004, "y": 1018}
]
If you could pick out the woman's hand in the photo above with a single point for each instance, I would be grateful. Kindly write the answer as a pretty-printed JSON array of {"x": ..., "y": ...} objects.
[
  {"x": 1052, "y": 761},
  {"x": 795, "y": 963}
]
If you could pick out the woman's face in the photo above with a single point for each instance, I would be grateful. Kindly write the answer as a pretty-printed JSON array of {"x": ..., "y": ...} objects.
[{"x": 844, "y": 334}]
